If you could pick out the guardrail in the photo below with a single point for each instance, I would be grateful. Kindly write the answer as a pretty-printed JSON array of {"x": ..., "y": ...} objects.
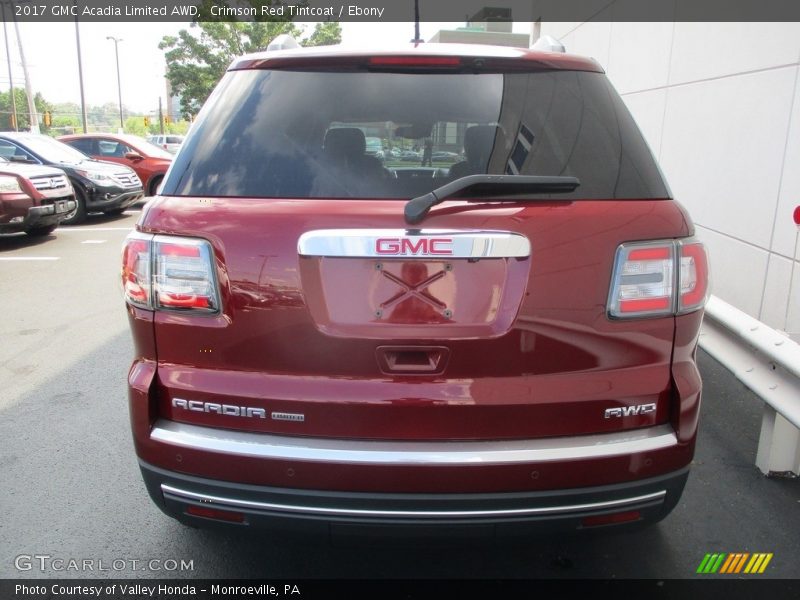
[{"x": 768, "y": 363}]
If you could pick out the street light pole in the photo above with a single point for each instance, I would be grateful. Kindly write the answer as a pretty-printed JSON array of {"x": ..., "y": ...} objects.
[
  {"x": 10, "y": 79},
  {"x": 80, "y": 75},
  {"x": 119, "y": 81}
]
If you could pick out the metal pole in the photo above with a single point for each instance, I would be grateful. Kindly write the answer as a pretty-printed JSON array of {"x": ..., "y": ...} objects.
[
  {"x": 119, "y": 79},
  {"x": 10, "y": 78},
  {"x": 34, "y": 117},
  {"x": 80, "y": 75},
  {"x": 416, "y": 39}
]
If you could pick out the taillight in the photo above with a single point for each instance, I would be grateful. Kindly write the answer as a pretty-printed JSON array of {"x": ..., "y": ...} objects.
[
  {"x": 169, "y": 273},
  {"x": 660, "y": 278},
  {"x": 693, "y": 270},
  {"x": 136, "y": 281}
]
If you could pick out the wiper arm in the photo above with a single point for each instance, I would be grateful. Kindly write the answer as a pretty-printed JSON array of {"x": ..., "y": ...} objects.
[{"x": 497, "y": 187}]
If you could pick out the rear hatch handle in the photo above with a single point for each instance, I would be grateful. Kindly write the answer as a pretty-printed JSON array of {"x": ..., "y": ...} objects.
[{"x": 492, "y": 188}]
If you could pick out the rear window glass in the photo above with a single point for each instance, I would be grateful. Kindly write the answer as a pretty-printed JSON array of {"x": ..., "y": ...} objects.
[{"x": 300, "y": 134}]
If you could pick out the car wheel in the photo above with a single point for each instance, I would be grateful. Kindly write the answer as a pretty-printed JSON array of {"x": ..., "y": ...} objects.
[
  {"x": 79, "y": 214},
  {"x": 154, "y": 183},
  {"x": 41, "y": 231}
]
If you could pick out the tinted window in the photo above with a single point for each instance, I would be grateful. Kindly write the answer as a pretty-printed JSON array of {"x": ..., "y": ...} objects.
[
  {"x": 392, "y": 135},
  {"x": 84, "y": 145},
  {"x": 113, "y": 148},
  {"x": 51, "y": 150},
  {"x": 9, "y": 150}
]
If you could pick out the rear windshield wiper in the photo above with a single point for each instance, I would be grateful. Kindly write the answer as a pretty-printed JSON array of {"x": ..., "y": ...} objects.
[{"x": 494, "y": 188}]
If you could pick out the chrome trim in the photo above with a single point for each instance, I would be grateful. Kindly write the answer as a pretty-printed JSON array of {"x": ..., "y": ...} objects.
[
  {"x": 337, "y": 451},
  {"x": 357, "y": 512},
  {"x": 362, "y": 243}
]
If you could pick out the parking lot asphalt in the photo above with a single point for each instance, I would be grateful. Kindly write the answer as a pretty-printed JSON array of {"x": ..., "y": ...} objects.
[{"x": 72, "y": 489}]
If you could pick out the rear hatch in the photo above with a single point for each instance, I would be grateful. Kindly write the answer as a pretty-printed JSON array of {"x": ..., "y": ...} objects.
[{"x": 336, "y": 317}]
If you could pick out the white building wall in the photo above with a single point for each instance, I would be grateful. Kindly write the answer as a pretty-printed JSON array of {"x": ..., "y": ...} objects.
[{"x": 719, "y": 104}]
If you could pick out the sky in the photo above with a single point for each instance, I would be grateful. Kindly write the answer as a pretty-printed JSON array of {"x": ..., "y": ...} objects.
[{"x": 51, "y": 54}]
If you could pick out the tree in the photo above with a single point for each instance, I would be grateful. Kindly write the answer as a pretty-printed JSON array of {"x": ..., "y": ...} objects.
[
  {"x": 23, "y": 118},
  {"x": 197, "y": 59},
  {"x": 324, "y": 34}
]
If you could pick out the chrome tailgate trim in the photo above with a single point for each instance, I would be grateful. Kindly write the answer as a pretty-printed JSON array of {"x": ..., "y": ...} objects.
[{"x": 413, "y": 453}]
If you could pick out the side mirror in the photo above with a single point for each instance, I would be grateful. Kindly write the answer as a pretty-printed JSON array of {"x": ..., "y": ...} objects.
[
  {"x": 133, "y": 156},
  {"x": 20, "y": 159}
]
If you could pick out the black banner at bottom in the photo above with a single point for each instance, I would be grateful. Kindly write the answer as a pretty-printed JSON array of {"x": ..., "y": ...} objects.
[{"x": 322, "y": 589}]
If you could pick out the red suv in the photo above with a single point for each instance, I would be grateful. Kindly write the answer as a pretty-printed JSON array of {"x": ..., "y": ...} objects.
[
  {"x": 150, "y": 162},
  {"x": 499, "y": 340},
  {"x": 33, "y": 199}
]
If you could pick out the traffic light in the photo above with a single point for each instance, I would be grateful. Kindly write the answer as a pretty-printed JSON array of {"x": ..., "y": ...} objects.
[
  {"x": 48, "y": 118},
  {"x": 147, "y": 121},
  {"x": 167, "y": 120}
]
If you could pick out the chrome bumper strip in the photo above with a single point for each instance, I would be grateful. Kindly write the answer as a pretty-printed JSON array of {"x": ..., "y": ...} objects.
[
  {"x": 413, "y": 453},
  {"x": 184, "y": 495}
]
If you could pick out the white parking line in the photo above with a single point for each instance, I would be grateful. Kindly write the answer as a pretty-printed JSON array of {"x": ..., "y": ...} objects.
[
  {"x": 94, "y": 241},
  {"x": 68, "y": 229},
  {"x": 131, "y": 212},
  {"x": 30, "y": 258}
]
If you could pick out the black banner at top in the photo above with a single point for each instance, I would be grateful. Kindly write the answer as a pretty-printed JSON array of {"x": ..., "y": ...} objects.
[{"x": 400, "y": 10}]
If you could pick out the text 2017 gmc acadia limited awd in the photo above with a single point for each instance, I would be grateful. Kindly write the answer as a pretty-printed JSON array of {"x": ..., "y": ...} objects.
[{"x": 492, "y": 325}]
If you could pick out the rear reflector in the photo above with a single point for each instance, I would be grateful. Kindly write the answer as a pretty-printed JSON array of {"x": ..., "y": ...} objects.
[
  {"x": 169, "y": 272},
  {"x": 612, "y": 519},
  {"x": 215, "y": 513},
  {"x": 650, "y": 281}
]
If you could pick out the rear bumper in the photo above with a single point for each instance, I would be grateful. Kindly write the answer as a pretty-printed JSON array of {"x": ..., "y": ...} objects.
[
  {"x": 41, "y": 216},
  {"x": 357, "y": 513},
  {"x": 109, "y": 198}
]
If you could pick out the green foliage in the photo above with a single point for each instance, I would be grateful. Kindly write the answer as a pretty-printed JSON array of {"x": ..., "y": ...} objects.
[
  {"x": 23, "y": 118},
  {"x": 324, "y": 34},
  {"x": 197, "y": 59}
]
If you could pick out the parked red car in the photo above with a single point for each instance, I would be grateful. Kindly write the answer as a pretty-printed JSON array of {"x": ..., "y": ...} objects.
[
  {"x": 327, "y": 342},
  {"x": 33, "y": 199},
  {"x": 150, "y": 162}
]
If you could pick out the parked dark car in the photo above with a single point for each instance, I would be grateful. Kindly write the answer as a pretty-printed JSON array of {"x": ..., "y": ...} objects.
[
  {"x": 99, "y": 186},
  {"x": 148, "y": 161},
  {"x": 505, "y": 345},
  {"x": 33, "y": 199}
]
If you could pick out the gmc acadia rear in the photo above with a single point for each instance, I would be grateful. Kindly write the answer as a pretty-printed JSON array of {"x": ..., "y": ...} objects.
[{"x": 500, "y": 335}]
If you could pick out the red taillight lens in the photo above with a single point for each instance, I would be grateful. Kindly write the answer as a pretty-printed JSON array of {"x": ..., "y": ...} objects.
[
  {"x": 644, "y": 280},
  {"x": 658, "y": 278},
  {"x": 183, "y": 274},
  {"x": 136, "y": 282},
  {"x": 166, "y": 272},
  {"x": 693, "y": 277}
]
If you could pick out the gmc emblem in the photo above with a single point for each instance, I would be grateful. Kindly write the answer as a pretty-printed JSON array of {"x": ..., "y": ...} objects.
[{"x": 414, "y": 246}]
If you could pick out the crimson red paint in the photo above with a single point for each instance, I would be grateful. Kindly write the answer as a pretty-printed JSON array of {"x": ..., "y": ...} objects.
[{"x": 411, "y": 349}]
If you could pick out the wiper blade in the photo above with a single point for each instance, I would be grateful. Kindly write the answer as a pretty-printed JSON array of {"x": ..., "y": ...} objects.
[{"x": 499, "y": 188}]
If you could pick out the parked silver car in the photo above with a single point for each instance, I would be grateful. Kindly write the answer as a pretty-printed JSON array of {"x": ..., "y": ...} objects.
[{"x": 170, "y": 143}]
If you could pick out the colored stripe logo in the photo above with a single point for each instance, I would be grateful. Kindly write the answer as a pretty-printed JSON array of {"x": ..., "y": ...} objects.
[{"x": 735, "y": 562}]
